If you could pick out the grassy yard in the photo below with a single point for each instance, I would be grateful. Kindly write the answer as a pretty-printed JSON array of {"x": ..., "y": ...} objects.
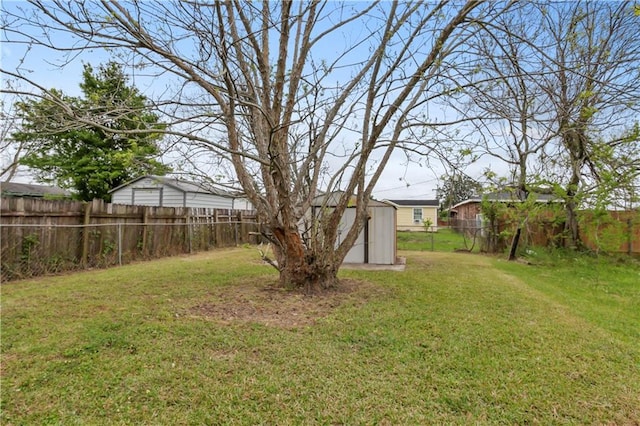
[{"x": 455, "y": 339}]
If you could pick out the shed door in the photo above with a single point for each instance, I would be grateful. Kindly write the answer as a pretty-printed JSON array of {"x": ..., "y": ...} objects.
[
  {"x": 382, "y": 236},
  {"x": 356, "y": 254}
]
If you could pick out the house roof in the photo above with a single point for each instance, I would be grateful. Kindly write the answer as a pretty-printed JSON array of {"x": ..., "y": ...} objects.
[
  {"x": 179, "y": 184},
  {"x": 331, "y": 199},
  {"x": 15, "y": 189},
  {"x": 506, "y": 196},
  {"x": 415, "y": 203}
]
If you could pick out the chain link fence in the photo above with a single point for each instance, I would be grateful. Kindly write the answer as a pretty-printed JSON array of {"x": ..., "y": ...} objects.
[
  {"x": 31, "y": 250},
  {"x": 51, "y": 236}
]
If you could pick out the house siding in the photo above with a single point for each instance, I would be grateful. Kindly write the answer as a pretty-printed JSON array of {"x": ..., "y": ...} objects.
[
  {"x": 172, "y": 197},
  {"x": 194, "y": 199},
  {"x": 405, "y": 218},
  {"x": 150, "y": 192}
]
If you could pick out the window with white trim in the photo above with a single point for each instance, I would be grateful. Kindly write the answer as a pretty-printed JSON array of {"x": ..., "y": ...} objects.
[{"x": 417, "y": 215}]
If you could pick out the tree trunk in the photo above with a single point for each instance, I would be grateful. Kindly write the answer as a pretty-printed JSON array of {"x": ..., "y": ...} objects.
[
  {"x": 514, "y": 243},
  {"x": 576, "y": 142},
  {"x": 523, "y": 195},
  {"x": 310, "y": 277},
  {"x": 571, "y": 225},
  {"x": 300, "y": 269}
]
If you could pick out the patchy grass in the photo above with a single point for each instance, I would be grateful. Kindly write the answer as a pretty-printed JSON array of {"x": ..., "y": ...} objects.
[
  {"x": 455, "y": 339},
  {"x": 444, "y": 240}
]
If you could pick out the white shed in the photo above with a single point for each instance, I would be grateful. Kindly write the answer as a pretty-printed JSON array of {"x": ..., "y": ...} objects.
[
  {"x": 376, "y": 243},
  {"x": 170, "y": 192}
]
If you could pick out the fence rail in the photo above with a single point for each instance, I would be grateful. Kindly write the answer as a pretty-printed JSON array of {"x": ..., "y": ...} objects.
[{"x": 50, "y": 236}]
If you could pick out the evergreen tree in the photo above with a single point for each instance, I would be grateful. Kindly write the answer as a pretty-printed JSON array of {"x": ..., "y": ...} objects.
[{"x": 93, "y": 143}]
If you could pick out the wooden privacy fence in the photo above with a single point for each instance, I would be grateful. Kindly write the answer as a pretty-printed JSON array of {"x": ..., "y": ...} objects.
[{"x": 48, "y": 236}]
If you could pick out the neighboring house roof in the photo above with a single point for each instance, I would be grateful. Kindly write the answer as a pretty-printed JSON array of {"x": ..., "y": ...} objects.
[
  {"x": 15, "y": 189},
  {"x": 414, "y": 203},
  {"x": 507, "y": 196},
  {"x": 331, "y": 199},
  {"x": 180, "y": 185}
]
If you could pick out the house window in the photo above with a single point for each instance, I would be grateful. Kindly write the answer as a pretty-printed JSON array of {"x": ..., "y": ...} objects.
[{"x": 417, "y": 215}]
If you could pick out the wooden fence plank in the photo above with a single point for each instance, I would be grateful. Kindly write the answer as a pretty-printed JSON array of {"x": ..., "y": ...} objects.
[{"x": 40, "y": 236}]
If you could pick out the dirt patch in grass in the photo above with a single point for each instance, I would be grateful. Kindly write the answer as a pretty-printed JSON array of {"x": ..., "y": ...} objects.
[{"x": 261, "y": 301}]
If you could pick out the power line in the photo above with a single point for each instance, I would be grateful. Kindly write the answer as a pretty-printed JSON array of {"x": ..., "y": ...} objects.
[{"x": 407, "y": 186}]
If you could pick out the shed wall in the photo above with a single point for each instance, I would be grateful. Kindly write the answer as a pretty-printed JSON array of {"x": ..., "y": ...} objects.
[
  {"x": 242, "y": 204},
  {"x": 121, "y": 196},
  {"x": 381, "y": 238},
  {"x": 171, "y": 197},
  {"x": 145, "y": 192},
  {"x": 146, "y": 196},
  {"x": 468, "y": 211},
  {"x": 356, "y": 254}
]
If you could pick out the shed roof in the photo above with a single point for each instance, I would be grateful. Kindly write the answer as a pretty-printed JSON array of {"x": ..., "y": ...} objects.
[
  {"x": 507, "y": 196},
  {"x": 415, "y": 203}
]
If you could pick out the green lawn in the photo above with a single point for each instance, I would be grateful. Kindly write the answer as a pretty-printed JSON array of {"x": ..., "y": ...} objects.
[{"x": 455, "y": 339}]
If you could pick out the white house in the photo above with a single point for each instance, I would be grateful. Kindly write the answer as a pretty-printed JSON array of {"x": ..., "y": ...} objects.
[
  {"x": 376, "y": 243},
  {"x": 170, "y": 192}
]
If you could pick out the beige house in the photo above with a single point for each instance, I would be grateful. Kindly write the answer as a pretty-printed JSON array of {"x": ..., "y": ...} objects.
[{"x": 412, "y": 214}]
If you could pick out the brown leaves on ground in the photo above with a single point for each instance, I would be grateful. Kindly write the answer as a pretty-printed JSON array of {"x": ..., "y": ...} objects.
[{"x": 261, "y": 301}]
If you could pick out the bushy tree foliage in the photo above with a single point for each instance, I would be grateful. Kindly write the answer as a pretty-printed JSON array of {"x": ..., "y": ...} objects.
[{"x": 114, "y": 139}]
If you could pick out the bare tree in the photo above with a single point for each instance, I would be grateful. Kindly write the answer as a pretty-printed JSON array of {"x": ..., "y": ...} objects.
[
  {"x": 593, "y": 83},
  {"x": 10, "y": 150},
  {"x": 301, "y": 98},
  {"x": 552, "y": 87},
  {"x": 497, "y": 91},
  {"x": 456, "y": 188}
]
